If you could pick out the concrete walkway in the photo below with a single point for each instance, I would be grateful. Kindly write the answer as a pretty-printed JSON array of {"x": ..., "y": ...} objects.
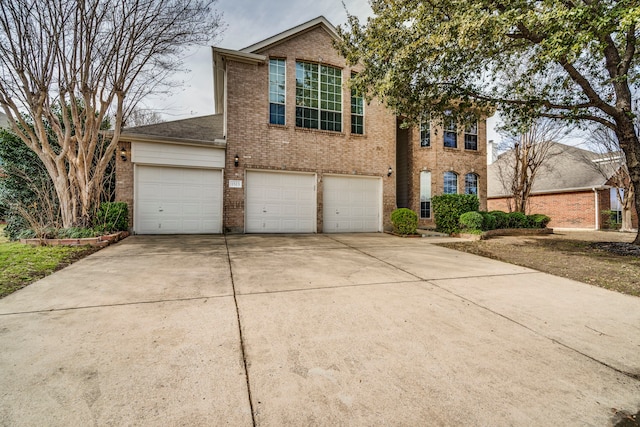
[{"x": 313, "y": 330}]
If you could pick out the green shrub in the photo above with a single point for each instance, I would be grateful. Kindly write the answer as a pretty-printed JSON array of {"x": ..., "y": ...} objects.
[
  {"x": 405, "y": 221},
  {"x": 488, "y": 221},
  {"x": 538, "y": 220},
  {"x": 518, "y": 220},
  {"x": 471, "y": 220},
  {"x": 25, "y": 233},
  {"x": 112, "y": 217},
  {"x": 502, "y": 219},
  {"x": 76, "y": 233},
  {"x": 447, "y": 209}
]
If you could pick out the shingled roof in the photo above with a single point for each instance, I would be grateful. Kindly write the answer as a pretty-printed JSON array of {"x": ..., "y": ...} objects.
[
  {"x": 205, "y": 130},
  {"x": 567, "y": 169}
]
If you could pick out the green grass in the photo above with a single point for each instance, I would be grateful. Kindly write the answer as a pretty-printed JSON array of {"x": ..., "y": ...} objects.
[{"x": 21, "y": 264}]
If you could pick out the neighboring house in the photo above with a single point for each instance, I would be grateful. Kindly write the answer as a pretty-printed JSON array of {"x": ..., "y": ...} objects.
[
  {"x": 291, "y": 149},
  {"x": 569, "y": 188}
]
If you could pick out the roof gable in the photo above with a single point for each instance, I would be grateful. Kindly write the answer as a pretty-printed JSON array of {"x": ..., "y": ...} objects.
[{"x": 320, "y": 21}]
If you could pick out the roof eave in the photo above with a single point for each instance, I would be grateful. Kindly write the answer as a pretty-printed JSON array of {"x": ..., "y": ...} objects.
[
  {"x": 136, "y": 137},
  {"x": 240, "y": 56},
  {"x": 559, "y": 190},
  {"x": 293, "y": 32}
]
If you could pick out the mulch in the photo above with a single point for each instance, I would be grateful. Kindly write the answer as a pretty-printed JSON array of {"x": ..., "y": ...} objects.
[{"x": 618, "y": 248}]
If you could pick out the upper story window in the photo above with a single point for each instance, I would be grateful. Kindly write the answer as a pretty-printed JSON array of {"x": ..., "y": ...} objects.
[
  {"x": 425, "y": 132},
  {"x": 471, "y": 136},
  {"x": 277, "y": 91},
  {"x": 450, "y": 183},
  {"x": 471, "y": 183},
  {"x": 450, "y": 131},
  {"x": 357, "y": 112},
  {"x": 318, "y": 96}
]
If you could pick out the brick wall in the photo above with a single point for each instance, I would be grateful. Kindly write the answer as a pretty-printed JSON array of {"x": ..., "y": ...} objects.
[
  {"x": 260, "y": 145},
  {"x": 566, "y": 210},
  {"x": 124, "y": 178},
  {"x": 438, "y": 159}
]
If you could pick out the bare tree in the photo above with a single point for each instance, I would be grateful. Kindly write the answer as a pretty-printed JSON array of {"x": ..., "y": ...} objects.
[
  {"x": 527, "y": 149},
  {"x": 612, "y": 165},
  {"x": 141, "y": 117},
  {"x": 71, "y": 63}
]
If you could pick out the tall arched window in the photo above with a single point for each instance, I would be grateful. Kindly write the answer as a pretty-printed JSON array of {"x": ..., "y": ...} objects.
[
  {"x": 450, "y": 183},
  {"x": 425, "y": 194},
  {"x": 471, "y": 183}
]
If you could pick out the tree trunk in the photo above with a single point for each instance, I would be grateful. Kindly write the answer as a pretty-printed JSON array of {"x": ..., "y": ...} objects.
[
  {"x": 630, "y": 144},
  {"x": 627, "y": 206}
]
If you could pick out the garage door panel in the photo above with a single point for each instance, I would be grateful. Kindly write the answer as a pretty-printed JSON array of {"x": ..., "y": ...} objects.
[
  {"x": 280, "y": 202},
  {"x": 351, "y": 204},
  {"x": 178, "y": 200}
]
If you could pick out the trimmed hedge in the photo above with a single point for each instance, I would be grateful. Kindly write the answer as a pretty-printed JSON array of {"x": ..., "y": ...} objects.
[
  {"x": 488, "y": 221},
  {"x": 502, "y": 219},
  {"x": 472, "y": 220},
  {"x": 538, "y": 220},
  {"x": 517, "y": 220},
  {"x": 405, "y": 221},
  {"x": 448, "y": 208}
]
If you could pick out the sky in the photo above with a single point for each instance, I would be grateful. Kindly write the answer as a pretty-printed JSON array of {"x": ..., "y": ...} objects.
[{"x": 248, "y": 22}]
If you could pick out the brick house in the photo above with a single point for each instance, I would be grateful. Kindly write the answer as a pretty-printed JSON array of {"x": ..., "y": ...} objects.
[
  {"x": 292, "y": 149},
  {"x": 569, "y": 189}
]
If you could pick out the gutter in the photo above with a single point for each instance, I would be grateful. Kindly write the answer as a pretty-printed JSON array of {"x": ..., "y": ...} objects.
[
  {"x": 562, "y": 190},
  {"x": 597, "y": 206}
]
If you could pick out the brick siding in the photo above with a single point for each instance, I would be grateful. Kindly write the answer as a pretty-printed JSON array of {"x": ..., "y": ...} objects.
[
  {"x": 566, "y": 210},
  {"x": 262, "y": 146},
  {"x": 124, "y": 178},
  {"x": 438, "y": 159}
]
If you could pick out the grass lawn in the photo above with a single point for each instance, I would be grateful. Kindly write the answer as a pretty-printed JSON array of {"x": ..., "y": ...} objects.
[
  {"x": 21, "y": 264},
  {"x": 575, "y": 255}
]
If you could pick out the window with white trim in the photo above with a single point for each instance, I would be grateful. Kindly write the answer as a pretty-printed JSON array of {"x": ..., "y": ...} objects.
[
  {"x": 450, "y": 183},
  {"x": 318, "y": 96},
  {"x": 277, "y": 74},
  {"x": 425, "y": 132},
  {"x": 471, "y": 136},
  {"x": 471, "y": 184},
  {"x": 450, "y": 130},
  {"x": 357, "y": 111},
  {"x": 425, "y": 194}
]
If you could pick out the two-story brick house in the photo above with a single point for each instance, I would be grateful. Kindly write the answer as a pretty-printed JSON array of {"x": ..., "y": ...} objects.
[{"x": 292, "y": 149}]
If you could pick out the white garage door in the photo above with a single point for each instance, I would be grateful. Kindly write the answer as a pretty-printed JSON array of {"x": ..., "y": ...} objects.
[
  {"x": 178, "y": 200},
  {"x": 351, "y": 204},
  {"x": 280, "y": 202}
]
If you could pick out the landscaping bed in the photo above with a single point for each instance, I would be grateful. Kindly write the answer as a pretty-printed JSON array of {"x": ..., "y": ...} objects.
[
  {"x": 605, "y": 259},
  {"x": 21, "y": 265}
]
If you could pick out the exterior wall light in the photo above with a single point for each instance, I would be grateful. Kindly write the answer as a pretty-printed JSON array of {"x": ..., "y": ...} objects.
[
  {"x": 236, "y": 161},
  {"x": 390, "y": 171},
  {"x": 123, "y": 153}
]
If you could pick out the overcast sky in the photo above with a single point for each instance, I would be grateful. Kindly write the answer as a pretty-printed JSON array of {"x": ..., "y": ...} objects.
[{"x": 247, "y": 22}]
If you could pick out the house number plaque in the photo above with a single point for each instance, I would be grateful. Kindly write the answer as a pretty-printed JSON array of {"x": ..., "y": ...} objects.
[{"x": 235, "y": 183}]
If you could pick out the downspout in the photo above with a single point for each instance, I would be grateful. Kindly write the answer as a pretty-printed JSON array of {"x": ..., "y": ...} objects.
[{"x": 597, "y": 205}]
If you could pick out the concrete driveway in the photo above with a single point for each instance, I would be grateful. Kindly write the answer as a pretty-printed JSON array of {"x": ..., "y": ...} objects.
[{"x": 313, "y": 330}]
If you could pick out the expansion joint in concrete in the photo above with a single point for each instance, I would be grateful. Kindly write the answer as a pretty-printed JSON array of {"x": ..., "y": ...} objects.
[
  {"x": 635, "y": 376},
  {"x": 242, "y": 343}
]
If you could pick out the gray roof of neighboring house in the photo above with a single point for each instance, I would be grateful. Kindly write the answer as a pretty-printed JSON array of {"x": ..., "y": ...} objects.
[
  {"x": 567, "y": 168},
  {"x": 207, "y": 130}
]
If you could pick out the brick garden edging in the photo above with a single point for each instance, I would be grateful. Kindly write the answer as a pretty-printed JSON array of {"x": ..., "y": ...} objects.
[
  {"x": 100, "y": 241},
  {"x": 507, "y": 232}
]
